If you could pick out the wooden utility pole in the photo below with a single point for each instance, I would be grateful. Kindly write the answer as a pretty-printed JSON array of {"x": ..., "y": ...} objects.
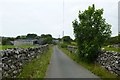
[{"x": 63, "y": 22}]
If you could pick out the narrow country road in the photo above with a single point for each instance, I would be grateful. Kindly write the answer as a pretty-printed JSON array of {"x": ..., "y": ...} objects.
[{"x": 61, "y": 66}]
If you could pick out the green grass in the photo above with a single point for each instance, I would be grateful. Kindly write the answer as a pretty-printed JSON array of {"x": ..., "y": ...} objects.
[
  {"x": 37, "y": 67},
  {"x": 111, "y": 49},
  {"x": 94, "y": 68},
  {"x": 3, "y": 47},
  {"x": 73, "y": 44}
]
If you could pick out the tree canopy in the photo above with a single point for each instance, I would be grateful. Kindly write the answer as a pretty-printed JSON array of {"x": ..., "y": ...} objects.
[
  {"x": 47, "y": 39},
  {"x": 28, "y": 36},
  {"x": 91, "y": 31},
  {"x": 67, "y": 39},
  {"x": 31, "y": 36}
]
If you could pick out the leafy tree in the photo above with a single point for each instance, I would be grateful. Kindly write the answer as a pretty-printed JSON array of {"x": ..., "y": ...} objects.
[
  {"x": 38, "y": 37},
  {"x": 18, "y": 37},
  {"x": 31, "y": 36},
  {"x": 47, "y": 39},
  {"x": 67, "y": 39},
  {"x": 119, "y": 39},
  {"x": 6, "y": 40},
  {"x": 21, "y": 37},
  {"x": 113, "y": 40},
  {"x": 59, "y": 39},
  {"x": 91, "y": 31},
  {"x": 44, "y": 36}
]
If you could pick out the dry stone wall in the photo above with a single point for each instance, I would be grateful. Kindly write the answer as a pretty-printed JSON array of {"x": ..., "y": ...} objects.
[
  {"x": 14, "y": 59},
  {"x": 110, "y": 60},
  {"x": 107, "y": 59}
]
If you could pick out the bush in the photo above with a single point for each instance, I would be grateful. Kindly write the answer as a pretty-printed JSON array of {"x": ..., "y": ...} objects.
[
  {"x": 63, "y": 45},
  {"x": 91, "y": 32}
]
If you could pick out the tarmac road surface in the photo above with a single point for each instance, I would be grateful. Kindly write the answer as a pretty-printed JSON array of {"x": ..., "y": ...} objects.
[{"x": 61, "y": 66}]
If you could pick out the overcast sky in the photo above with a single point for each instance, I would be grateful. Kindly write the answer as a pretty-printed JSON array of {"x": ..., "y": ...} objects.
[{"x": 19, "y": 17}]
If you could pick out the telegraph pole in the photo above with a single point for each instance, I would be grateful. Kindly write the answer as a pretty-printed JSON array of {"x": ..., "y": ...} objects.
[
  {"x": 59, "y": 36},
  {"x": 63, "y": 22},
  {"x": 63, "y": 34},
  {"x": 118, "y": 17}
]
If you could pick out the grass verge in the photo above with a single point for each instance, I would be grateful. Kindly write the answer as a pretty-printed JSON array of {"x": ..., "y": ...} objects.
[
  {"x": 37, "y": 67},
  {"x": 3, "y": 47},
  {"x": 111, "y": 49},
  {"x": 94, "y": 68}
]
